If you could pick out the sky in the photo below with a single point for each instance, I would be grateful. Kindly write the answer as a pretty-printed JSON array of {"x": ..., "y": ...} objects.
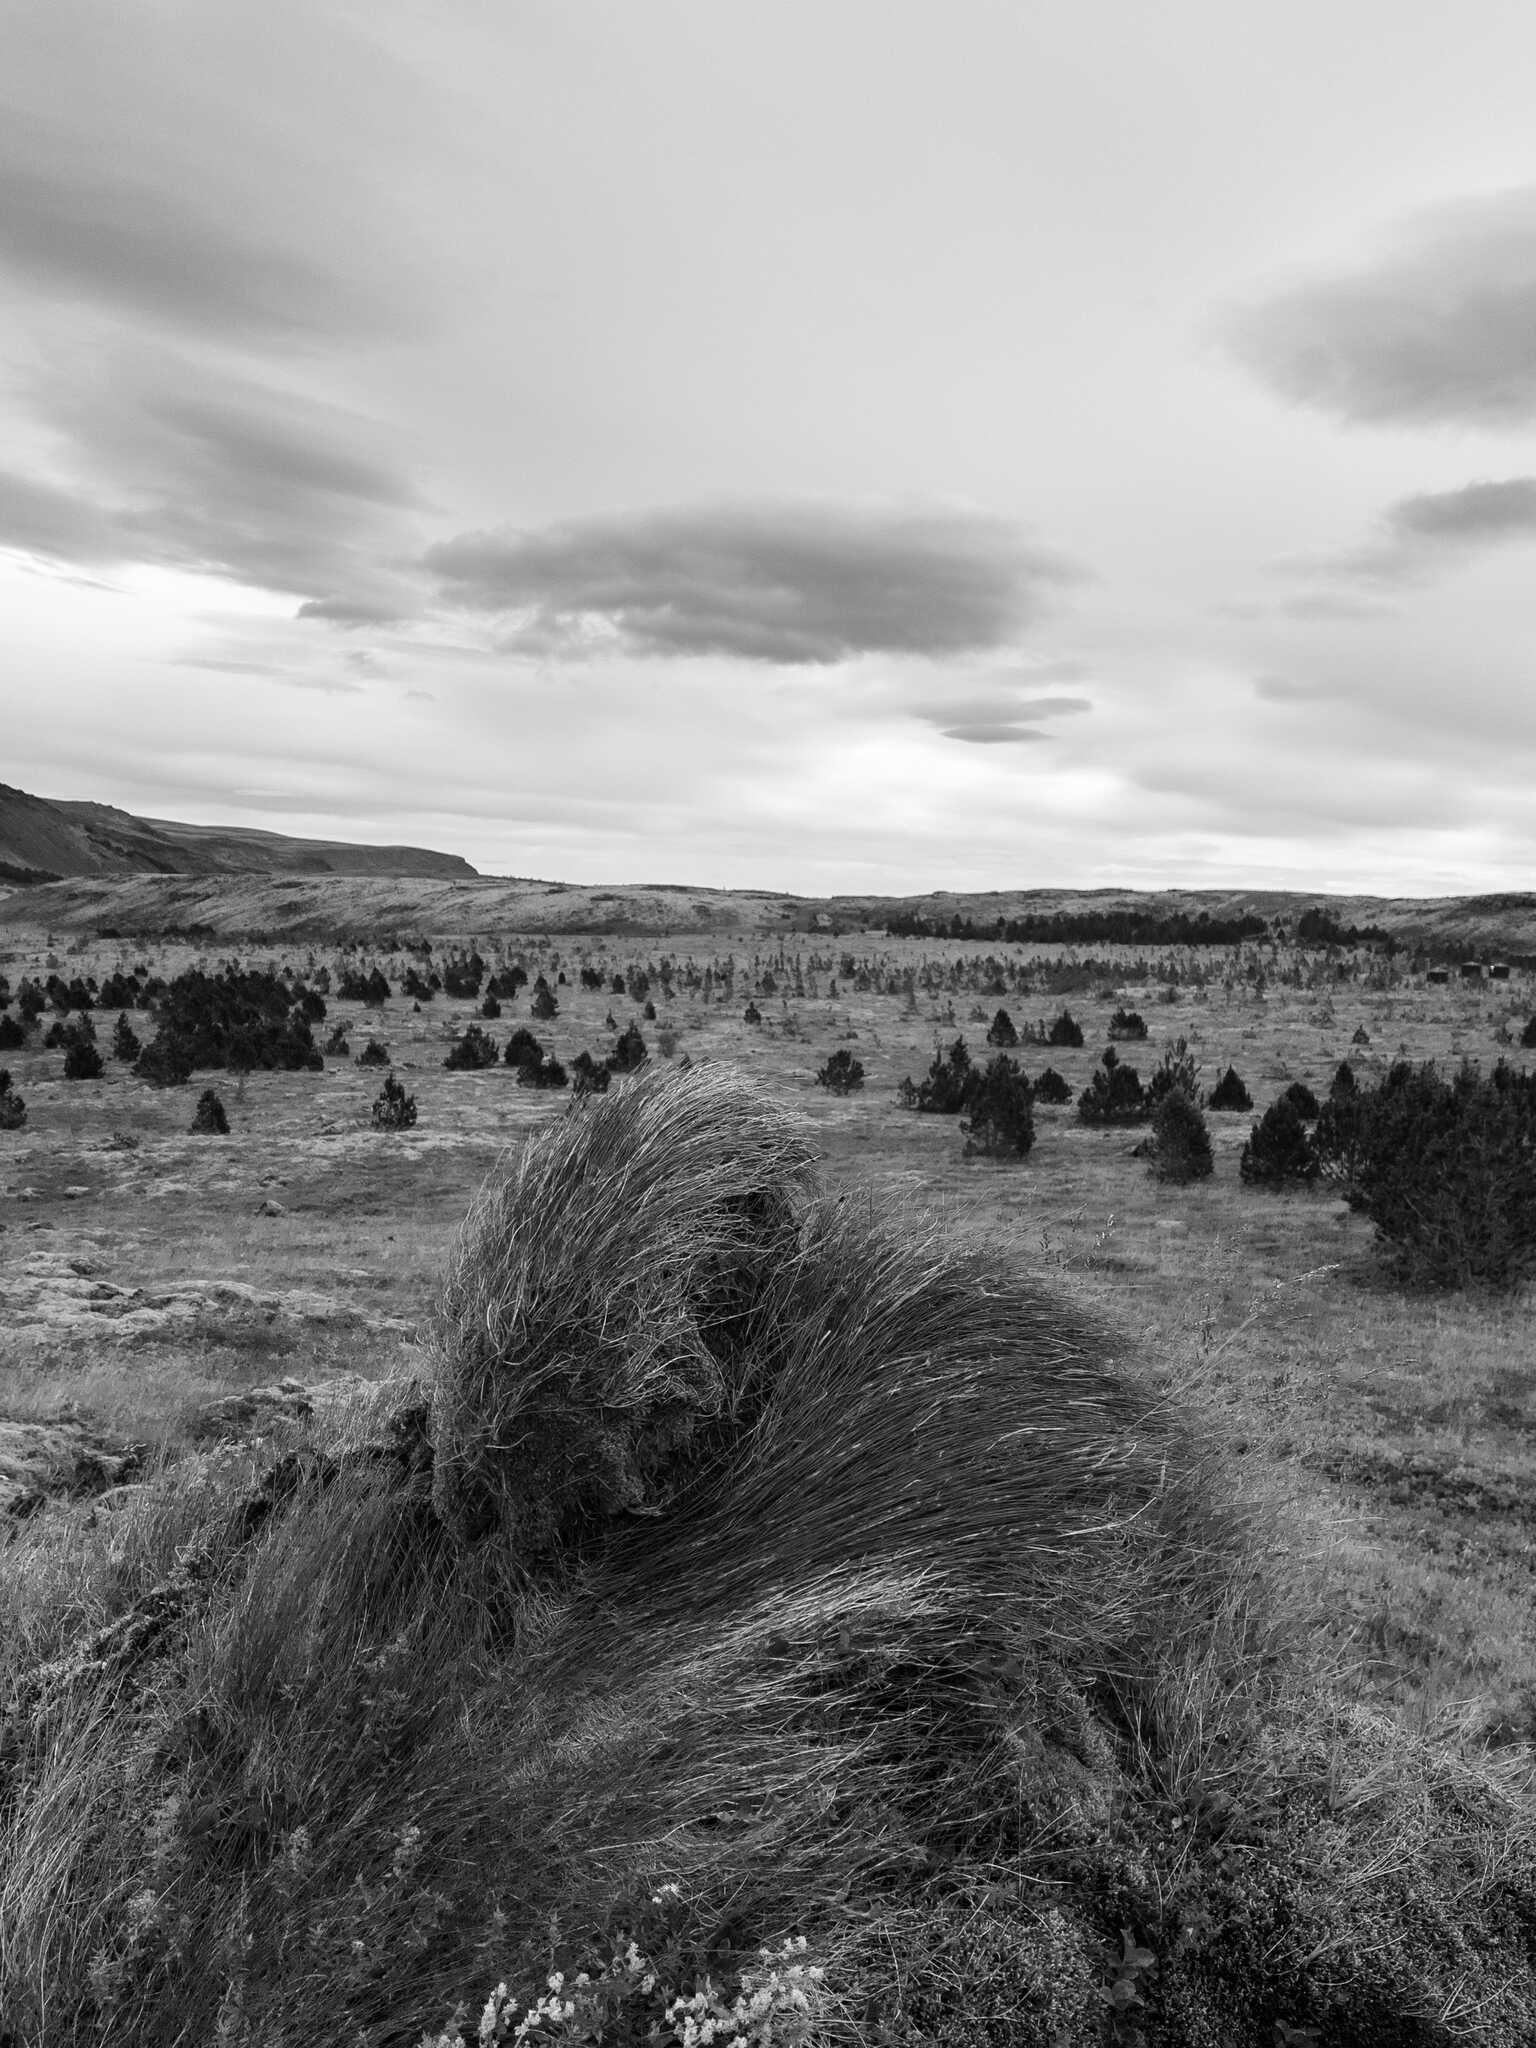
[{"x": 827, "y": 445}]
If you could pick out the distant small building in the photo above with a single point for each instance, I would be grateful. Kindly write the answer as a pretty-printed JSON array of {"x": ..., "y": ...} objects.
[
  {"x": 1471, "y": 970},
  {"x": 1498, "y": 970},
  {"x": 1439, "y": 974}
]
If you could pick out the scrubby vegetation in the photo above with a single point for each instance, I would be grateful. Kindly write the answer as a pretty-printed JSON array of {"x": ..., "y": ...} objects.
[
  {"x": 1114, "y": 1094},
  {"x": 843, "y": 1073},
  {"x": 210, "y": 1118},
  {"x": 759, "y": 1583},
  {"x": 242, "y": 1019},
  {"x": 13, "y": 1110},
  {"x": 1181, "y": 1143},
  {"x": 1231, "y": 1092},
  {"x": 1278, "y": 1153},
  {"x": 393, "y": 1109}
]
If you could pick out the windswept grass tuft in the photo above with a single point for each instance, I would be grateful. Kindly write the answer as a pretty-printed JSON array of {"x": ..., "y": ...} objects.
[{"x": 791, "y": 1561}]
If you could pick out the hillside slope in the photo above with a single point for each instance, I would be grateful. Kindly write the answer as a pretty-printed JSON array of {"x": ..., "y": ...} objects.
[{"x": 43, "y": 840}]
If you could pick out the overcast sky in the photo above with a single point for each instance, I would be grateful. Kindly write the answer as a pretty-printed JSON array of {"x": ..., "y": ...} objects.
[{"x": 819, "y": 444}]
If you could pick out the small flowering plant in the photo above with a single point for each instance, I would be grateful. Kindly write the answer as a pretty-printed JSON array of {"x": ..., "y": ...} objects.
[{"x": 626, "y": 2005}]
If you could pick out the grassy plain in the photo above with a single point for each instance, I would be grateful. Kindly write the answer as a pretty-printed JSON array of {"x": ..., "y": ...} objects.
[{"x": 147, "y": 1271}]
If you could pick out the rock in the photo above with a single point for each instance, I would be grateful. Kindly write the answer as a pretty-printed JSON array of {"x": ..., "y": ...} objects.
[
  {"x": 270, "y": 1208},
  {"x": 64, "y": 1457},
  {"x": 287, "y": 1400}
]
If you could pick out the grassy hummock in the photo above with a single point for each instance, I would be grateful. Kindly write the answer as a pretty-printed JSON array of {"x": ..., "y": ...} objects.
[{"x": 776, "y": 1617}]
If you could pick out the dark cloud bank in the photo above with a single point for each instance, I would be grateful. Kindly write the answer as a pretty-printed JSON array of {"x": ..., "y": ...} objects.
[
  {"x": 785, "y": 584},
  {"x": 1440, "y": 328}
]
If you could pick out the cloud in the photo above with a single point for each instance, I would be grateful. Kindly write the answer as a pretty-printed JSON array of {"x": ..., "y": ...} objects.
[
  {"x": 351, "y": 611},
  {"x": 1421, "y": 537},
  {"x": 1474, "y": 516},
  {"x": 95, "y": 234},
  {"x": 786, "y": 584},
  {"x": 995, "y": 717},
  {"x": 1439, "y": 328},
  {"x": 163, "y": 460}
]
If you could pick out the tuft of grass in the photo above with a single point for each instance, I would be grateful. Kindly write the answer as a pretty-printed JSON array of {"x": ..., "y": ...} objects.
[{"x": 798, "y": 1553}]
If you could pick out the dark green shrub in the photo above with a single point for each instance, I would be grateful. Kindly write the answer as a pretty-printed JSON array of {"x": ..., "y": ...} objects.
[
  {"x": 1065, "y": 1030},
  {"x": 942, "y": 1091},
  {"x": 1361, "y": 1036},
  {"x": 1447, "y": 1173},
  {"x": 1306, "y": 1102},
  {"x": 13, "y": 1034},
  {"x": 1278, "y": 1153},
  {"x": 1230, "y": 1093},
  {"x": 13, "y": 1110},
  {"x": 209, "y": 1118},
  {"x": 166, "y": 1062},
  {"x": 1343, "y": 1082},
  {"x": 842, "y": 1073},
  {"x": 30, "y": 1001},
  {"x": 1177, "y": 1069},
  {"x": 999, "y": 1120},
  {"x": 1053, "y": 1087},
  {"x": 523, "y": 1049},
  {"x": 490, "y": 1009},
  {"x": 751, "y": 1014},
  {"x": 1181, "y": 1144},
  {"x": 629, "y": 1051},
  {"x": 545, "y": 1004},
  {"x": 82, "y": 1062},
  {"x": 1114, "y": 1094},
  {"x": 587, "y": 1076},
  {"x": 414, "y": 985},
  {"x": 1528, "y": 1036},
  {"x": 393, "y": 1109},
  {"x": 649, "y": 1012},
  {"x": 374, "y": 1054},
  {"x": 544, "y": 1073},
  {"x": 240, "y": 1019},
  {"x": 1127, "y": 1024},
  {"x": 337, "y": 1045},
  {"x": 476, "y": 1049},
  {"x": 1002, "y": 1031},
  {"x": 125, "y": 1040}
]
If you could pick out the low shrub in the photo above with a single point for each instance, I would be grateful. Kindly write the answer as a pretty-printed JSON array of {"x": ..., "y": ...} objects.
[
  {"x": 1181, "y": 1144},
  {"x": 1002, "y": 1032},
  {"x": 1230, "y": 1093},
  {"x": 999, "y": 1120},
  {"x": 1064, "y": 1030},
  {"x": 1177, "y": 1069},
  {"x": 1278, "y": 1153},
  {"x": 842, "y": 1073},
  {"x": 751, "y": 1014},
  {"x": 1053, "y": 1088},
  {"x": 13, "y": 1109},
  {"x": 393, "y": 1109},
  {"x": 13, "y": 1034},
  {"x": 82, "y": 1062},
  {"x": 125, "y": 1040},
  {"x": 1306, "y": 1102},
  {"x": 475, "y": 1050},
  {"x": 490, "y": 1009},
  {"x": 1114, "y": 1094},
  {"x": 209, "y": 1118},
  {"x": 588, "y": 1077},
  {"x": 629, "y": 1051},
  {"x": 1127, "y": 1024},
  {"x": 543, "y": 1073},
  {"x": 545, "y": 1005},
  {"x": 523, "y": 1048},
  {"x": 374, "y": 1054},
  {"x": 1446, "y": 1170},
  {"x": 337, "y": 1044},
  {"x": 942, "y": 1091}
]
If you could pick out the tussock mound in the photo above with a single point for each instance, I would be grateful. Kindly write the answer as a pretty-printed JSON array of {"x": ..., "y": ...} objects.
[{"x": 756, "y": 1566}]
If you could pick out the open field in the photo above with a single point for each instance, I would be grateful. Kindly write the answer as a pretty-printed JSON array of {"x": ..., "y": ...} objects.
[{"x": 145, "y": 1272}]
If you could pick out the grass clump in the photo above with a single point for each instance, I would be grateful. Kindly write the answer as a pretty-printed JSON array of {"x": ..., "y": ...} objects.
[{"x": 762, "y": 1582}]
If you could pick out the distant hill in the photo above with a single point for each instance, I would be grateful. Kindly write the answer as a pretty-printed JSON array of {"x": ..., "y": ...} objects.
[
  {"x": 45, "y": 840},
  {"x": 382, "y": 906}
]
